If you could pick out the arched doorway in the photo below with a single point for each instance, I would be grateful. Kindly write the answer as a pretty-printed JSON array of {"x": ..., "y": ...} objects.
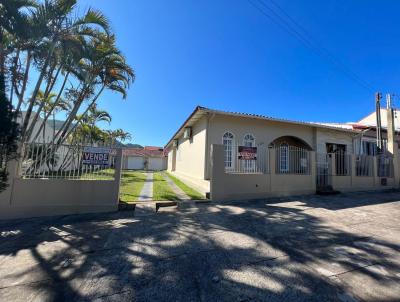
[{"x": 292, "y": 155}]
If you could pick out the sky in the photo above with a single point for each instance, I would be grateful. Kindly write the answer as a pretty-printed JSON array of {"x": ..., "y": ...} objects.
[{"x": 227, "y": 55}]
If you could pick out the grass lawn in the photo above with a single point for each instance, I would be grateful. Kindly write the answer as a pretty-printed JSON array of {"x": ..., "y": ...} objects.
[
  {"x": 161, "y": 189},
  {"x": 132, "y": 183},
  {"x": 193, "y": 194}
]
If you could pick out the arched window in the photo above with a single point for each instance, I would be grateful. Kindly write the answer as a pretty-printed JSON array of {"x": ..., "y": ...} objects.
[
  {"x": 227, "y": 141},
  {"x": 248, "y": 140},
  {"x": 284, "y": 157},
  {"x": 249, "y": 165}
]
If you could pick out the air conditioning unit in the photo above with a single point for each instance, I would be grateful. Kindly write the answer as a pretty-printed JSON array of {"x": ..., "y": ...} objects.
[
  {"x": 175, "y": 143},
  {"x": 187, "y": 132}
]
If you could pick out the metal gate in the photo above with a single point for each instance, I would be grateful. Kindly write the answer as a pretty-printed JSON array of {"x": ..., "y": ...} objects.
[{"x": 324, "y": 172}]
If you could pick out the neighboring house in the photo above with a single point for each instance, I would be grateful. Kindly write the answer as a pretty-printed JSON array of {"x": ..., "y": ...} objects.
[
  {"x": 47, "y": 132},
  {"x": 147, "y": 158},
  {"x": 189, "y": 148}
]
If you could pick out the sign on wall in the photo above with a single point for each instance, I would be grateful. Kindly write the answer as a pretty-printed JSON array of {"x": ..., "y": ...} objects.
[
  {"x": 247, "y": 153},
  {"x": 96, "y": 156}
]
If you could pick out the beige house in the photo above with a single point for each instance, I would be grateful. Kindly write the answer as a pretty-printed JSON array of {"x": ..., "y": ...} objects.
[
  {"x": 148, "y": 158},
  {"x": 280, "y": 146}
]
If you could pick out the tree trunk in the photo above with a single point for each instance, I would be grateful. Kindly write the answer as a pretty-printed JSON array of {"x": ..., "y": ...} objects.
[
  {"x": 53, "y": 106},
  {"x": 35, "y": 93}
]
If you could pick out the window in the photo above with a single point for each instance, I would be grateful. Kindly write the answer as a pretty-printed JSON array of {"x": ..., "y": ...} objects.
[
  {"x": 248, "y": 165},
  {"x": 284, "y": 157},
  {"x": 227, "y": 141},
  {"x": 248, "y": 140}
]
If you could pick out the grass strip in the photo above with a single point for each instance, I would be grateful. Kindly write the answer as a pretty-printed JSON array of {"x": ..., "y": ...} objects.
[
  {"x": 132, "y": 183},
  {"x": 161, "y": 188},
  {"x": 193, "y": 194}
]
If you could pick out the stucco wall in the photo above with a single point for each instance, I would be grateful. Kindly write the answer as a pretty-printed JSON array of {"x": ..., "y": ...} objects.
[
  {"x": 190, "y": 154},
  {"x": 230, "y": 186},
  {"x": 47, "y": 197},
  {"x": 265, "y": 132},
  {"x": 324, "y": 136},
  {"x": 39, "y": 197}
]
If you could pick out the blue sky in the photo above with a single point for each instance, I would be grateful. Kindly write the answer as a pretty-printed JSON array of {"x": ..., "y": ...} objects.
[{"x": 227, "y": 55}]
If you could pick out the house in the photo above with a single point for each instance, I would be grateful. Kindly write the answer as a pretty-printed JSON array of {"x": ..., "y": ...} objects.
[
  {"x": 296, "y": 146},
  {"x": 147, "y": 158}
]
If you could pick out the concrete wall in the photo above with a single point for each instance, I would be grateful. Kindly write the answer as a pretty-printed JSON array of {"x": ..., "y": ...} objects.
[
  {"x": 47, "y": 197},
  {"x": 230, "y": 186},
  {"x": 190, "y": 153},
  {"x": 353, "y": 182},
  {"x": 324, "y": 136}
]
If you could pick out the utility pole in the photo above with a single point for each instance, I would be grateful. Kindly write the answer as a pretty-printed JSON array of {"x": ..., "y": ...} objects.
[
  {"x": 392, "y": 146},
  {"x": 390, "y": 125},
  {"x": 379, "y": 141}
]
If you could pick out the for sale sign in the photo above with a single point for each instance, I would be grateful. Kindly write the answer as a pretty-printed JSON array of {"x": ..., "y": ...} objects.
[
  {"x": 96, "y": 156},
  {"x": 247, "y": 153}
]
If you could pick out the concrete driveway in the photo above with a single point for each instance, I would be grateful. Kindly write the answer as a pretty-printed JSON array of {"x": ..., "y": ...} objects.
[{"x": 342, "y": 248}]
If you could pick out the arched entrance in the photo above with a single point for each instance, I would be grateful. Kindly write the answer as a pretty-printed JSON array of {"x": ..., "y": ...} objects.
[{"x": 292, "y": 155}]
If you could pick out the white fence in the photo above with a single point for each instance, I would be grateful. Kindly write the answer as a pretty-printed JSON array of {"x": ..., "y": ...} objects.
[
  {"x": 43, "y": 160},
  {"x": 385, "y": 165},
  {"x": 246, "y": 160},
  {"x": 257, "y": 160},
  {"x": 364, "y": 165},
  {"x": 292, "y": 160}
]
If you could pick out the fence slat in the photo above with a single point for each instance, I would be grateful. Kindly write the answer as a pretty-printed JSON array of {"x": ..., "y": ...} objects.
[{"x": 45, "y": 160}]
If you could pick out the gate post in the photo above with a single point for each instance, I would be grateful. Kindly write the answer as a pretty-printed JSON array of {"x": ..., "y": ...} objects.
[
  {"x": 313, "y": 172},
  {"x": 117, "y": 172}
]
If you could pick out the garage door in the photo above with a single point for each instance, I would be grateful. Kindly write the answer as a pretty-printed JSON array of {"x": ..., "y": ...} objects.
[
  {"x": 156, "y": 163},
  {"x": 135, "y": 163}
]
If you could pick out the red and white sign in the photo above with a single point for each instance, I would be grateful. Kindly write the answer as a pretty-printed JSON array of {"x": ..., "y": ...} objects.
[
  {"x": 96, "y": 156},
  {"x": 247, "y": 153}
]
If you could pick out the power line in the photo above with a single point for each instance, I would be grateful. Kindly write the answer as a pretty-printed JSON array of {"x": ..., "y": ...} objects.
[{"x": 287, "y": 23}]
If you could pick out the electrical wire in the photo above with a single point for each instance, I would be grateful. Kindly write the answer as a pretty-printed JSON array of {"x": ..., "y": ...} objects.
[{"x": 296, "y": 30}]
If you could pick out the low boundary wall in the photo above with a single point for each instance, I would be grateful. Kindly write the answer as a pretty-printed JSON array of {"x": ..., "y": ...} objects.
[
  {"x": 242, "y": 186},
  {"x": 228, "y": 186},
  {"x": 46, "y": 197}
]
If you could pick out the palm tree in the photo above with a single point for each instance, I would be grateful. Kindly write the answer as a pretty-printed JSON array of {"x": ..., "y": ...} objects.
[
  {"x": 87, "y": 127},
  {"x": 12, "y": 19},
  {"x": 118, "y": 134},
  {"x": 49, "y": 106},
  {"x": 69, "y": 61}
]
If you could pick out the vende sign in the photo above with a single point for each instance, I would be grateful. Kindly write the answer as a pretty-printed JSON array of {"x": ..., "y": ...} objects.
[
  {"x": 247, "y": 153},
  {"x": 96, "y": 156}
]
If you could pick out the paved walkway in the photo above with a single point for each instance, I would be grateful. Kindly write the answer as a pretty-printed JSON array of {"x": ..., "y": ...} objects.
[
  {"x": 178, "y": 191},
  {"x": 147, "y": 191},
  {"x": 329, "y": 248}
]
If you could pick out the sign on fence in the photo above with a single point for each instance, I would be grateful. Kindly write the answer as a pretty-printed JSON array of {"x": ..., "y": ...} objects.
[
  {"x": 247, "y": 153},
  {"x": 96, "y": 156}
]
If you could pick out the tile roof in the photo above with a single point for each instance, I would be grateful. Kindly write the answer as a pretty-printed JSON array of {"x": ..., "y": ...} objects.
[
  {"x": 204, "y": 110},
  {"x": 150, "y": 151}
]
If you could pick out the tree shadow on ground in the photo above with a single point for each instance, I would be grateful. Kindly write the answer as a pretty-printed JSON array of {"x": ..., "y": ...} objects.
[{"x": 241, "y": 251}]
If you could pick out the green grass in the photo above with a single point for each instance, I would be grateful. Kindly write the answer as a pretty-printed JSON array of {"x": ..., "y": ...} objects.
[
  {"x": 193, "y": 194},
  {"x": 161, "y": 189},
  {"x": 132, "y": 183}
]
